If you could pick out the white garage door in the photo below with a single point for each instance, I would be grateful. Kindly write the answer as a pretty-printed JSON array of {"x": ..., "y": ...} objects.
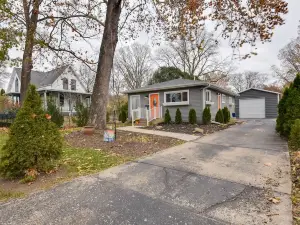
[{"x": 252, "y": 108}]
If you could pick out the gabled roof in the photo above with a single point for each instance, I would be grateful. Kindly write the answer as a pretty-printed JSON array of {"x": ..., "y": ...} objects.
[
  {"x": 257, "y": 89},
  {"x": 179, "y": 83},
  {"x": 40, "y": 79}
]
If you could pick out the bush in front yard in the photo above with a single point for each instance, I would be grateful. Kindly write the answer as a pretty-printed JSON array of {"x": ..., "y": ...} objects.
[
  {"x": 167, "y": 117},
  {"x": 107, "y": 117},
  {"x": 226, "y": 114},
  {"x": 123, "y": 116},
  {"x": 294, "y": 139},
  {"x": 178, "y": 118},
  {"x": 289, "y": 108},
  {"x": 206, "y": 116},
  {"x": 56, "y": 116},
  {"x": 192, "y": 116},
  {"x": 219, "y": 116},
  {"x": 34, "y": 140},
  {"x": 82, "y": 114}
]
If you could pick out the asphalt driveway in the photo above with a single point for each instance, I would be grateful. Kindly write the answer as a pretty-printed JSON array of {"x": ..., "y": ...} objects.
[{"x": 224, "y": 178}]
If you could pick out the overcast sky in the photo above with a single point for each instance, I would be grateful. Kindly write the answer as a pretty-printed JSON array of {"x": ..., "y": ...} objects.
[{"x": 267, "y": 53}]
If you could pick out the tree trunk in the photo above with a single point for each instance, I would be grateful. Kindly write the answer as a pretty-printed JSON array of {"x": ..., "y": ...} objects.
[
  {"x": 31, "y": 25},
  {"x": 100, "y": 94}
]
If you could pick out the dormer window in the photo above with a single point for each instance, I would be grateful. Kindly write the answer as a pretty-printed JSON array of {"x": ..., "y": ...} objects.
[
  {"x": 65, "y": 83},
  {"x": 73, "y": 85}
]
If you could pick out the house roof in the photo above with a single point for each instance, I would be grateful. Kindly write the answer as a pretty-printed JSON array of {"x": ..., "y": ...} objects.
[
  {"x": 179, "y": 83},
  {"x": 40, "y": 79},
  {"x": 257, "y": 89}
]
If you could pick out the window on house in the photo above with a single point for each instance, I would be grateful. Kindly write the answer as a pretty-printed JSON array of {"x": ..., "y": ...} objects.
[
  {"x": 16, "y": 85},
  {"x": 88, "y": 101},
  {"x": 177, "y": 97},
  {"x": 208, "y": 96},
  {"x": 61, "y": 99},
  {"x": 223, "y": 98},
  {"x": 73, "y": 85},
  {"x": 65, "y": 83},
  {"x": 230, "y": 100}
]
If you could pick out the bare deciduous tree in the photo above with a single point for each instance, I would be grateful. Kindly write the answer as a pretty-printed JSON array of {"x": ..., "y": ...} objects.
[
  {"x": 290, "y": 61},
  {"x": 87, "y": 77},
  {"x": 117, "y": 85},
  {"x": 133, "y": 63},
  {"x": 196, "y": 54},
  {"x": 246, "y": 80}
]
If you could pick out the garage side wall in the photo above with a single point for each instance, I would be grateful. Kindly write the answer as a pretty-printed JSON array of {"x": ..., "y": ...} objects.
[{"x": 271, "y": 101}]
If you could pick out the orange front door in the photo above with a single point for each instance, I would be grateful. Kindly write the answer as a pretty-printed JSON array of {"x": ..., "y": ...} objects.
[{"x": 154, "y": 105}]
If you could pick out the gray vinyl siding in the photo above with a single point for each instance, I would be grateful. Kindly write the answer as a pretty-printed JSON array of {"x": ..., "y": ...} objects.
[
  {"x": 214, "y": 107},
  {"x": 195, "y": 102},
  {"x": 271, "y": 101}
]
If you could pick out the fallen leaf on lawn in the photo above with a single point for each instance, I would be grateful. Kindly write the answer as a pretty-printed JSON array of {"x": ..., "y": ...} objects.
[
  {"x": 274, "y": 200},
  {"x": 268, "y": 164},
  {"x": 273, "y": 214}
]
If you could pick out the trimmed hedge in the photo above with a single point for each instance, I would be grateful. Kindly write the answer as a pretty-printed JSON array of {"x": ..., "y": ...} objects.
[
  {"x": 219, "y": 116},
  {"x": 226, "y": 114},
  {"x": 167, "y": 117},
  {"x": 192, "y": 116},
  {"x": 178, "y": 118},
  {"x": 206, "y": 116}
]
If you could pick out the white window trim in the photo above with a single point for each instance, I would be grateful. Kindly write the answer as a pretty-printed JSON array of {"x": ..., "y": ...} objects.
[
  {"x": 209, "y": 103},
  {"x": 223, "y": 100},
  {"x": 176, "y": 103},
  {"x": 208, "y": 91},
  {"x": 230, "y": 100},
  {"x": 131, "y": 96}
]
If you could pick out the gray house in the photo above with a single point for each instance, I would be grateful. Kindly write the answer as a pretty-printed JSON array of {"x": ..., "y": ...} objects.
[
  {"x": 151, "y": 102},
  {"x": 257, "y": 103}
]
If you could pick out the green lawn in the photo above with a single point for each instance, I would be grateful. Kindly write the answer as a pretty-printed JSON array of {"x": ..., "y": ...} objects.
[
  {"x": 5, "y": 195},
  {"x": 74, "y": 162}
]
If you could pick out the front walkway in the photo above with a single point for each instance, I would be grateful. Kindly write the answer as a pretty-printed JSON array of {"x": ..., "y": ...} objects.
[{"x": 184, "y": 137}]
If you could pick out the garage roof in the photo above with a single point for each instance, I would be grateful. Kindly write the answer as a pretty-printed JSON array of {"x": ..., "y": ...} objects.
[{"x": 274, "y": 92}]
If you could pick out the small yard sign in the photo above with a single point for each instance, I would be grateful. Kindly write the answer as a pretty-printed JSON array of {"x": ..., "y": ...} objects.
[{"x": 109, "y": 135}]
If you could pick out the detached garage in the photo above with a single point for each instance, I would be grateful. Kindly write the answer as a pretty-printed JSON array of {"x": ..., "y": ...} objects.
[{"x": 256, "y": 104}]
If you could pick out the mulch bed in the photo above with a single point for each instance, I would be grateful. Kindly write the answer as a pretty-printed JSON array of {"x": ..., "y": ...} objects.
[
  {"x": 187, "y": 128},
  {"x": 127, "y": 144}
]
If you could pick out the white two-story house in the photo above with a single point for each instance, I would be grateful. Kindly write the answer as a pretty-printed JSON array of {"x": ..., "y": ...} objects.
[{"x": 62, "y": 85}]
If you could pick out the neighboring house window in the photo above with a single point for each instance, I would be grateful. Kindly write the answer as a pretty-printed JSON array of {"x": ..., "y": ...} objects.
[
  {"x": 61, "y": 99},
  {"x": 65, "y": 83},
  {"x": 208, "y": 96},
  {"x": 223, "y": 98},
  {"x": 177, "y": 97},
  {"x": 88, "y": 101},
  {"x": 73, "y": 85},
  {"x": 17, "y": 85},
  {"x": 230, "y": 100}
]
